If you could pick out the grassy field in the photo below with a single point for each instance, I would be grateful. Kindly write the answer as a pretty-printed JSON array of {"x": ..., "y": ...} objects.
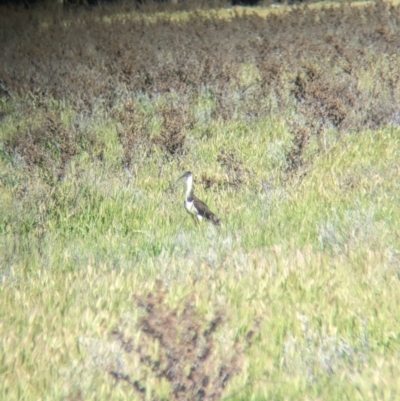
[
  {"x": 312, "y": 267},
  {"x": 109, "y": 291}
]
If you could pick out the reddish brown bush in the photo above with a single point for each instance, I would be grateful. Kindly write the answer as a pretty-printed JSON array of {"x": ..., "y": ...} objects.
[
  {"x": 188, "y": 357},
  {"x": 47, "y": 144}
]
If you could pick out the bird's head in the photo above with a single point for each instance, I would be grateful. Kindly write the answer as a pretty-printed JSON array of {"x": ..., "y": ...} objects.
[{"x": 186, "y": 176}]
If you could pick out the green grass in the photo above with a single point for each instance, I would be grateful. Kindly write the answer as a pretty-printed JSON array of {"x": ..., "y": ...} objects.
[
  {"x": 307, "y": 259},
  {"x": 313, "y": 261}
]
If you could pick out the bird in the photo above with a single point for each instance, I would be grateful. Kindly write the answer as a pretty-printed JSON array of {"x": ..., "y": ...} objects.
[{"x": 194, "y": 206}]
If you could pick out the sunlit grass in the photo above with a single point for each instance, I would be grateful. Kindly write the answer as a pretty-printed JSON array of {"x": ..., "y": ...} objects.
[
  {"x": 307, "y": 259},
  {"x": 311, "y": 264},
  {"x": 150, "y": 15}
]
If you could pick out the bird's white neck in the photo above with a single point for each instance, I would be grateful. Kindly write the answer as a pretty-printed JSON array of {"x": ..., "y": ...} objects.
[{"x": 189, "y": 186}]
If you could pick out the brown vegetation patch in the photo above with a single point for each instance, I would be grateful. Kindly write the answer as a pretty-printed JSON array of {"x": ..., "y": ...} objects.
[
  {"x": 323, "y": 97},
  {"x": 133, "y": 131},
  {"x": 172, "y": 137},
  {"x": 49, "y": 144},
  {"x": 4, "y": 94},
  {"x": 322, "y": 68},
  {"x": 209, "y": 181},
  {"x": 188, "y": 358},
  {"x": 237, "y": 174},
  {"x": 295, "y": 155}
]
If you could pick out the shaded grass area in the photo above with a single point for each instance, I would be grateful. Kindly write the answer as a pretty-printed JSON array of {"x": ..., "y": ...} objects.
[
  {"x": 108, "y": 290},
  {"x": 322, "y": 68}
]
